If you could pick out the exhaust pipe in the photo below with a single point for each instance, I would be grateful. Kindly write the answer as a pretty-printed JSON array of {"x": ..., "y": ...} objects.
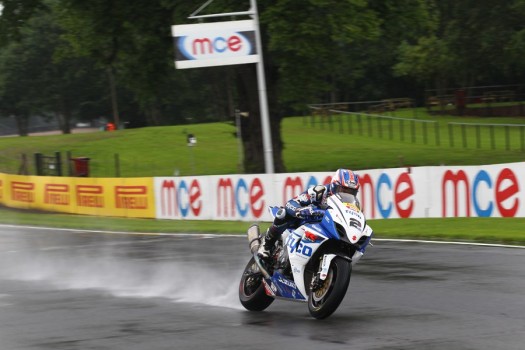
[{"x": 254, "y": 238}]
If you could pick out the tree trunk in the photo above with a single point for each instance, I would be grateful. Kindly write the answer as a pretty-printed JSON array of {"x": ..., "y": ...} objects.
[
  {"x": 64, "y": 116},
  {"x": 22, "y": 122},
  {"x": 153, "y": 115},
  {"x": 113, "y": 93},
  {"x": 251, "y": 126}
]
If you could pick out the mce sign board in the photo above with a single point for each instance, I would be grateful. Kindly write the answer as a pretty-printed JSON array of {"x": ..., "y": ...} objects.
[{"x": 214, "y": 44}]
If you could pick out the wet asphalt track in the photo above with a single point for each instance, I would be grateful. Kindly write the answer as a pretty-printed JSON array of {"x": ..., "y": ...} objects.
[{"x": 80, "y": 290}]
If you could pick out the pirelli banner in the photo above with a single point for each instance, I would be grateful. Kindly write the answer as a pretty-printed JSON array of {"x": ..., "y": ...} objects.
[{"x": 127, "y": 197}]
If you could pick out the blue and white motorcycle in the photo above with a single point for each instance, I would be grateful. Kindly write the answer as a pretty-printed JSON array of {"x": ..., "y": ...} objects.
[{"x": 312, "y": 263}]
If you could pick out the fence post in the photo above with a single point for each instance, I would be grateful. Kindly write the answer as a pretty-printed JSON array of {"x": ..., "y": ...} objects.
[
  {"x": 413, "y": 130},
  {"x": 522, "y": 138},
  {"x": 492, "y": 141},
  {"x": 58, "y": 162},
  {"x": 69, "y": 165},
  {"x": 478, "y": 136},
  {"x": 38, "y": 164},
  {"x": 360, "y": 124},
  {"x": 436, "y": 131},
  {"x": 450, "y": 135},
  {"x": 507, "y": 138},
  {"x": 464, "y": 135},
  {"x": 23, "y": 170}
]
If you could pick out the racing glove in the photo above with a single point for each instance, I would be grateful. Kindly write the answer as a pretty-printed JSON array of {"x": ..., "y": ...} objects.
[{"x": 309, "y": 213}]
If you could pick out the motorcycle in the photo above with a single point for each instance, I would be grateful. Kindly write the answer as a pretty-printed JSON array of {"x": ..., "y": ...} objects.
[{"x": 311, "y": 263}]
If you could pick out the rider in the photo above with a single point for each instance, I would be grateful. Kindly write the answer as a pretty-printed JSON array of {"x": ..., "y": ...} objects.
[{"x": 304, "y": 206}]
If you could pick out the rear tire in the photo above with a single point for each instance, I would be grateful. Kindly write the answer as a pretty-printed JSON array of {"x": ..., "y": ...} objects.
[
  {"x": 326, "y": 299},
  {"x": 251, "y": 288}
]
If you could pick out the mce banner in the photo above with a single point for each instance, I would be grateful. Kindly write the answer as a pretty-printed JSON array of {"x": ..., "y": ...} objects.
[
  {"x": 214, "y": 44},
  {"x": 422, "y": 192}
]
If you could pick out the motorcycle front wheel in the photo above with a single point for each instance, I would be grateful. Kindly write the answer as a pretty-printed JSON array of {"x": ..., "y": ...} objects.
[
  {"x": 251, "y": 288},
  {"x": 326, "y": 299}
]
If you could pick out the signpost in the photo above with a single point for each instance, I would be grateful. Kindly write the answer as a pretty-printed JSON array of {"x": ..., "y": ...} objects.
[{"x": 226, "y": 43}]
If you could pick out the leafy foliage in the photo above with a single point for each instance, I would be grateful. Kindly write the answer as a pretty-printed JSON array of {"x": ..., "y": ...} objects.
[{"x": 115, "y": 57}]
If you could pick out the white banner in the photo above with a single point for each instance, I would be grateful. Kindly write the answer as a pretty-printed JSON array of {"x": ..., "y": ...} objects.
[
  {"x": 422, "y": 192},
  {"x": 214, "y": 44}
]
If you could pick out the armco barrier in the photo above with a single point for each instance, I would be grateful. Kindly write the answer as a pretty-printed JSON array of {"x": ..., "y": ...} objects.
[{"x": 443, "y": 191}]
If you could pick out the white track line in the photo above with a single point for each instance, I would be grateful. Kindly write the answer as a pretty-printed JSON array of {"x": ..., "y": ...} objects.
[{"x": 215, "y": 235}]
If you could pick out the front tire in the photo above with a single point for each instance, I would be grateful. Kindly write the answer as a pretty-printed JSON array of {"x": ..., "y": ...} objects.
[
  {"x": 326, "y": 299},
  {"x": 251, "y": 288}
]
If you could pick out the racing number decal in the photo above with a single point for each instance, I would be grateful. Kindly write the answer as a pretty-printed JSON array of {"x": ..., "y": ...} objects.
[{"x": 355, "y": 223}]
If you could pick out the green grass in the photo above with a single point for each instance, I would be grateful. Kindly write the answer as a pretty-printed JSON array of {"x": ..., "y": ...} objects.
[
  {"x": 162, "y": 151},
  {"x": 331, "y": 149},
  {"x": 491, "y": 230},
  {"x": 153, "y": 151},
  {"x": 22, "y": 217}
]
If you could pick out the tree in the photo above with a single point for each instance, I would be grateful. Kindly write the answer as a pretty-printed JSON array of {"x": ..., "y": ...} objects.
[
  {"x": 470, "y": 43},
  {"x": 95, "y": 29},
  {"x": 14, "y": 15},
  {"x": 15, "y": 78},
  {"x": 35, "y": 82},
  {"x": 132, "y": 40},
  {"x": 314, "y": 56}
]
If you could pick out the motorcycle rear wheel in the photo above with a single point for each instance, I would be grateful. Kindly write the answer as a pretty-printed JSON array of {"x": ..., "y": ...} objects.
[
  {"x": 326, "y": 299},
  {"x": 251, "y": 288}
]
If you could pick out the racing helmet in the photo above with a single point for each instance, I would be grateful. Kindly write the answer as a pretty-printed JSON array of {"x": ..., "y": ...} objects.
[{"x": 345, "y": 180}]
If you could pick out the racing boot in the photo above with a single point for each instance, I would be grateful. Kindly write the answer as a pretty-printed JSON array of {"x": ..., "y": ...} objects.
[
  {"x": 267, "y": 244},
  {"x": 273, "y": 233}
]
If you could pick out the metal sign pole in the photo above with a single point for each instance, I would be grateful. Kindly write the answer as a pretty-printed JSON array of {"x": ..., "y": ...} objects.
[
  {"x": 261, "y": 80},
  {"x": 263, "y": 100}
]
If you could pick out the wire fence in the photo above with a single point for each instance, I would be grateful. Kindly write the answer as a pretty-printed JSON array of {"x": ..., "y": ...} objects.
[
  {"x": 487, "y": 136},
  {"x": 95, "y": 165},
  {"x": 510, "y": 137}
]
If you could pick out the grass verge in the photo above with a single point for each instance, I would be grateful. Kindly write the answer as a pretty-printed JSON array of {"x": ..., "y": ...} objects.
[{"x": 481, "y": 230}]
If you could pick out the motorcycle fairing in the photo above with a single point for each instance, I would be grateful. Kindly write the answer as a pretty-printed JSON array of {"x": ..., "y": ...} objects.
[
  {"x": 301, "y": 245},
  {"x": 280, "y": 286}
]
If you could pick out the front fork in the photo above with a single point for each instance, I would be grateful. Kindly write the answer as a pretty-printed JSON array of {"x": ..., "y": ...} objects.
[{"x": 322, "y": 273}]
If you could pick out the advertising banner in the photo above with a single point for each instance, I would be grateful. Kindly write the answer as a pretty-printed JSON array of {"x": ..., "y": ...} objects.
[
  {"x": 421, "y": 192},
  {"x": 128, "y": 197},
  {"x": 214, "y": 44},
  {"x": 2, "y": 182}
]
